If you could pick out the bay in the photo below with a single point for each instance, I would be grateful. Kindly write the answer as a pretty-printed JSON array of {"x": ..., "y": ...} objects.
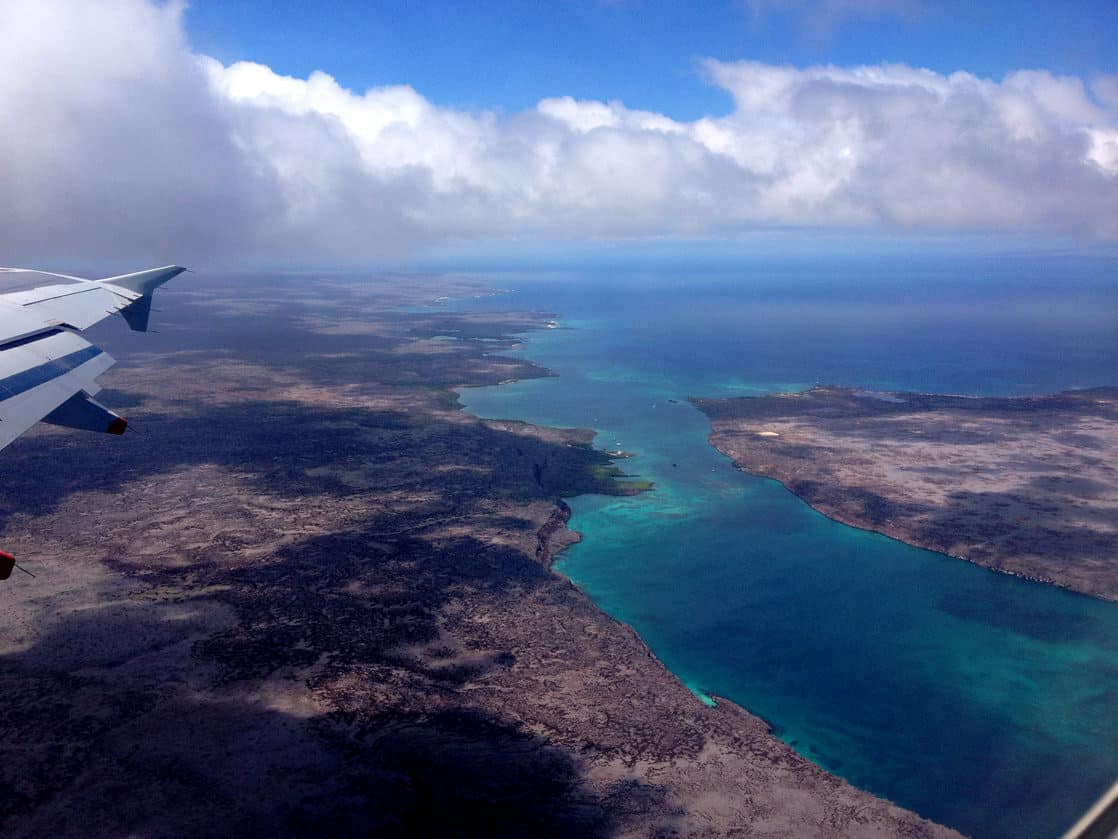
[{"x": 979, "y": 700}]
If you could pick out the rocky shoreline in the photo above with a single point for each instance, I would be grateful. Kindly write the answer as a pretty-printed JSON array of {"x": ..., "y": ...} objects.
[
  {"x": 333, "y": 610},
  {"x": 1027, "y": 486}
]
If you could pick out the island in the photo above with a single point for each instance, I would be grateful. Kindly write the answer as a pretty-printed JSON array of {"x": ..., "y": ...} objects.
[
  {"x": 1023, "y": 485},
  {"x": 313, "y": 595}
]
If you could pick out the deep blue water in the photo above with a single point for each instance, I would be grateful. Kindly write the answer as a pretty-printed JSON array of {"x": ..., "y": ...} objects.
[{"x": 981, "y": 701}]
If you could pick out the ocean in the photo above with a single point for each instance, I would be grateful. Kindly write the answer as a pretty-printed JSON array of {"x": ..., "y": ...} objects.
[{"x": 981, "y": 701}]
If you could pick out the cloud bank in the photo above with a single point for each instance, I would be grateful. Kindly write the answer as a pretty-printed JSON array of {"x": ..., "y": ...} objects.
[{"x": 118, "y": 141}]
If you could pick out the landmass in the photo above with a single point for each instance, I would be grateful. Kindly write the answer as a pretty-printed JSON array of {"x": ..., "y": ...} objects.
[
  {"x": 1024, "y": 485},
  {"x": 313, "y": 595}
]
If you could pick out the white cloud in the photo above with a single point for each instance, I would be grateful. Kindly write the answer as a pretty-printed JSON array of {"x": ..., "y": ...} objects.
[{"x": 117, "y": 141}]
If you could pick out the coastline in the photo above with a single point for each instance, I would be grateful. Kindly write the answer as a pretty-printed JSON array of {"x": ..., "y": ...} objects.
[
  {"x": 1016, "y": 485},
  {"x": 750, "y": 740},
  {"x": 726, "y": 717},
  {"x": 869, "y": 528},
  {"x": 335, "y": 609},
  {"x": 690, "y": 606}
]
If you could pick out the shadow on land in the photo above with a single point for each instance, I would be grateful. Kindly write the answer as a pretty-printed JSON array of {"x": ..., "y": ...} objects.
[
  {"x": 133, "y": 767},
  {"x": 290, "y": 449},
  {"x": 153, "y": 718},
  {"x": 277, "y": 442}
]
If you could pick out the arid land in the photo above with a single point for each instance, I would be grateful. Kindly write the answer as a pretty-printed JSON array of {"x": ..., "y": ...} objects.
[
  {"x": 1027, "y": 486},
  {"x": 313, "y": 595}
]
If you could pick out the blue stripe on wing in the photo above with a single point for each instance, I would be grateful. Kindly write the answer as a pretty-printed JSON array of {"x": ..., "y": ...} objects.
[{"x": 34, "y": 376}]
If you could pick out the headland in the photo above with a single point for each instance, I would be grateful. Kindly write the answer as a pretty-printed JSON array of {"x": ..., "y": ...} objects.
[{"x": 1023, "y": 485}]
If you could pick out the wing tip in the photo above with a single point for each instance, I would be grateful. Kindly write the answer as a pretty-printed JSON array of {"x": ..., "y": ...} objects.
[{"x": 144, "y": 282}]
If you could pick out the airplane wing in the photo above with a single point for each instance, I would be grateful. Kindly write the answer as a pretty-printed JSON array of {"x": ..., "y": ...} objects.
[{"x": 47, "y": 370}]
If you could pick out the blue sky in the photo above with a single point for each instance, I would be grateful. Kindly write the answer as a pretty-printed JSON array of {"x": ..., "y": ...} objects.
[{"x": 510, "y": 53}]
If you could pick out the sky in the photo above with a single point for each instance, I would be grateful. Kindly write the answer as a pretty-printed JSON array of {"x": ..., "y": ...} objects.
[
  {"x": 509, "y": 54},
  {"x": 236, "y": 134}
]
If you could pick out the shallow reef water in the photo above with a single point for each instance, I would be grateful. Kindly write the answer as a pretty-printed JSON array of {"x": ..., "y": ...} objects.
[{"x": 979, "y": 700}]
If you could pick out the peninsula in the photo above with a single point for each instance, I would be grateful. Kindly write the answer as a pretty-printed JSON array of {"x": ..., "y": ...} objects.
[{"x": 1023, "y": 485}]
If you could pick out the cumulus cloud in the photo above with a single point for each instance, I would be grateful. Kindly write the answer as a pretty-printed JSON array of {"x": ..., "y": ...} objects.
[{"x": 118, "y": 141}]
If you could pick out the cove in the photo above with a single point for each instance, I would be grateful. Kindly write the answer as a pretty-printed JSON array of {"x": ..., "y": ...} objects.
[{"x": 976, "y": 699}]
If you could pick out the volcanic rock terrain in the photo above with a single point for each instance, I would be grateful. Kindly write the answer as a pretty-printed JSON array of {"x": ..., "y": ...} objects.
[{"x": 312, "y": 595}]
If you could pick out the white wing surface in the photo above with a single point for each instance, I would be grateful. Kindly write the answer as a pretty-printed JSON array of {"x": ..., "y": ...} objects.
[{"x": 47, "y": 370}]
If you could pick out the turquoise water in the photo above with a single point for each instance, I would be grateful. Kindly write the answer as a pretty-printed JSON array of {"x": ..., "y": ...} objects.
[{"x": 981, "y": 701}]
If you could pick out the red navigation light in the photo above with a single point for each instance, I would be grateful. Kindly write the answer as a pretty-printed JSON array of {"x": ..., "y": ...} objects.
[
  {"x": 7, "y": 563},
  {"x": 117, "y": 426}
]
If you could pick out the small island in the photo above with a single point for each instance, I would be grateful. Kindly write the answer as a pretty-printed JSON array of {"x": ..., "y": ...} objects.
[{"x": 1024, "y": 485}]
